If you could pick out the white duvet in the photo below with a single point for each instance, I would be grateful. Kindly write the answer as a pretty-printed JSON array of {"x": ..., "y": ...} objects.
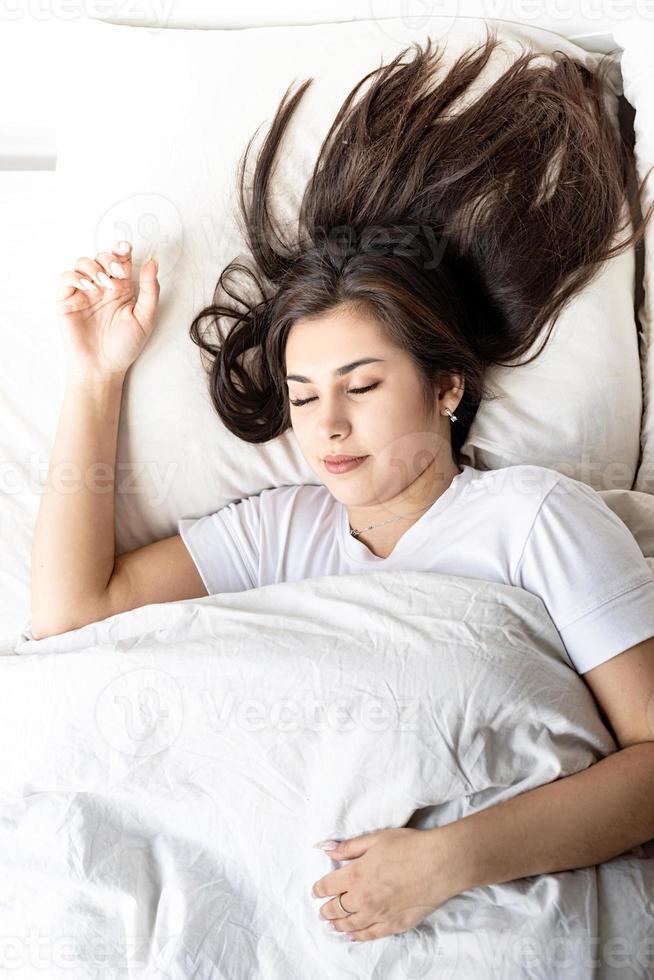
[{"x": 164, "y": 779}]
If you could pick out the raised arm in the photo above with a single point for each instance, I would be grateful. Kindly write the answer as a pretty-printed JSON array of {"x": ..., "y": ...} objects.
[{"x": 105, "y": 329}]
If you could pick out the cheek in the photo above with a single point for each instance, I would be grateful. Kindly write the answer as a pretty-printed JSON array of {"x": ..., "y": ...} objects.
[
  {"x": 303, "y": 431},
  {"x": 406, "y": 423},
  {"x": 297, "y": 421},
  {"x": 399, "y": 411}
]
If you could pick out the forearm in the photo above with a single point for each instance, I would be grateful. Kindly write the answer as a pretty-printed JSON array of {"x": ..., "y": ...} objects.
[
  {"x": 574, "y": 822},
  {"x": 73, "y": 547}
]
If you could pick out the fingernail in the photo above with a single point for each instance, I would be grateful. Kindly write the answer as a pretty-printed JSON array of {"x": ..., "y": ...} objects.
[
  {"x": 122, "y": 248},
  {"x": 105, "y": 280},
  {"x": 117, "y": 270},
  {"x": 327, "y": 845},
  {"x": 86, "y": 284}
]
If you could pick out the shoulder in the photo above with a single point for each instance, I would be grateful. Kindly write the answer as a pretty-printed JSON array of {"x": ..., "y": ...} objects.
[
  {"x": 517, "y": 475},
  {"x": 540, "y": 502},
  {"x": 525, "y": 486},
  {"x": 558, "y": 504},
  {"x": 575, "y": 521},
  {"x": 569, "y": 494},
  {"x": 304, "y": 491},
  {"x": 298, "y": 496}
]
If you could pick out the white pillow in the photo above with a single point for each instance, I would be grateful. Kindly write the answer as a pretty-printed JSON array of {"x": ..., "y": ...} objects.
[
  {"x": 150, "y": 130},
  {"x": 637, "y": 40},
  {"x": 592, "y": 28},
  {"x": 29, "y": 395},
  {"x": 577, "y": 407}
]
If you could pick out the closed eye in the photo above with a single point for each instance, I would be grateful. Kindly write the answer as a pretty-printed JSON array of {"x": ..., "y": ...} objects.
[{"x": 352, "y": 391}]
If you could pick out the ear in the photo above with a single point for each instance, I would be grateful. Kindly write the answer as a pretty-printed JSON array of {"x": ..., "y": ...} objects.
[{"x": 452, "y": 384}]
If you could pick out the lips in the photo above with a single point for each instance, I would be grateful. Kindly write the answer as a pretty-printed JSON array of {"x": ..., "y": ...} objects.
[
  {"x": 345, "y": 464},
  {"x": 341, "y": 459}
]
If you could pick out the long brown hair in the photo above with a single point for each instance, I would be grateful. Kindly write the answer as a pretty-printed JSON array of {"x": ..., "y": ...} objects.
[{"x": 462, "y": 233}]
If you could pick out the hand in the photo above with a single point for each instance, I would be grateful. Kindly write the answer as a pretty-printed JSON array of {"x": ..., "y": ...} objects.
[
  {"x": 401, "y": 875},
  {"x": 104, "y": 327}
]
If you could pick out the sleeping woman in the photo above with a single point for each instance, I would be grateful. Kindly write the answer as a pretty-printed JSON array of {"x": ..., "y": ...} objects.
[{"x": 430, "y": 245}]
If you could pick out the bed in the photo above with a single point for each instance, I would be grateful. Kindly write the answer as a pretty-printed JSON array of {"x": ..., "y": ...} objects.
[{"x": 164, "y": 773}]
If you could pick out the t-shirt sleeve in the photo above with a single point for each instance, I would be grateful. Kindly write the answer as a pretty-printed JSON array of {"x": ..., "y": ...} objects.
[
  {"x": 225, "y": 546},
  {"x": 587, "y": 567}
]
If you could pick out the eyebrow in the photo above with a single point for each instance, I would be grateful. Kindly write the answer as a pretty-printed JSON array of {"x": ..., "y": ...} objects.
[{"x": 345, "y": 369}]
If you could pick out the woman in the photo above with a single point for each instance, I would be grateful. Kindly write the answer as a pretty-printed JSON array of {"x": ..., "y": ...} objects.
[{"x": 430, "y": 245}]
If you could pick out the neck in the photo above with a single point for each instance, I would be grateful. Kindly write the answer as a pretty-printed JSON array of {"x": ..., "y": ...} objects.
[{"x": 417, "y": 496}]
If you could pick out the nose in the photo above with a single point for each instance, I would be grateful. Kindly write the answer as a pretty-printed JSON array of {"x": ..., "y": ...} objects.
[
  {"x": 332, "y": 421},
  {"x": 329, "y": 431}
]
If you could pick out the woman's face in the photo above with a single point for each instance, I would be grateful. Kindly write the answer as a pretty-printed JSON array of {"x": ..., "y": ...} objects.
[{"x": 387, "y": 423}]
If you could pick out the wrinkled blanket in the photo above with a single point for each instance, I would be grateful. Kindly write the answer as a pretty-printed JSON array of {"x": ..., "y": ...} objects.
[{"x": 165, "y": 773}]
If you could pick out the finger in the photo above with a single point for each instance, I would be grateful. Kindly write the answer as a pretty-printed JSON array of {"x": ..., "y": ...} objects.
[
  {"x": 353, "y": 923},
  {"x": 333, "y": 883},
  {"x": 91, "y": 269},
  {"x": 121, "y": 255},
  {"x": 146, "y": 305},
  {"x": 333, "y": 911},
  {"x": 114, "y": 265},
  {"x": 70, "y": 282},
  {"x": 355, "y": 847},
  {"x": 374, "y": 931}
]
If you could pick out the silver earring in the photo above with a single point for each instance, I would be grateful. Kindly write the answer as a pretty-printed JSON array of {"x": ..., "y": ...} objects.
[{"x": 446, "y": 411}]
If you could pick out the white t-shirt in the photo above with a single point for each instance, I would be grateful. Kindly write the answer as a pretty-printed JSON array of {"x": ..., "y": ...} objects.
[{"x": 523, "y": 525}]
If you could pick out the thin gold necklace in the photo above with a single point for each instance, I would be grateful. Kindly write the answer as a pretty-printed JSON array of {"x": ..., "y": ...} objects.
[
  {"x": 371, "y": 526},
  {"x": 400, "y": 516}
]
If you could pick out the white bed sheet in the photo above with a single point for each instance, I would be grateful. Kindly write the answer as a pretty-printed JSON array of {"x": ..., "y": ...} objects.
[{"x": 167, "y": 771}]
